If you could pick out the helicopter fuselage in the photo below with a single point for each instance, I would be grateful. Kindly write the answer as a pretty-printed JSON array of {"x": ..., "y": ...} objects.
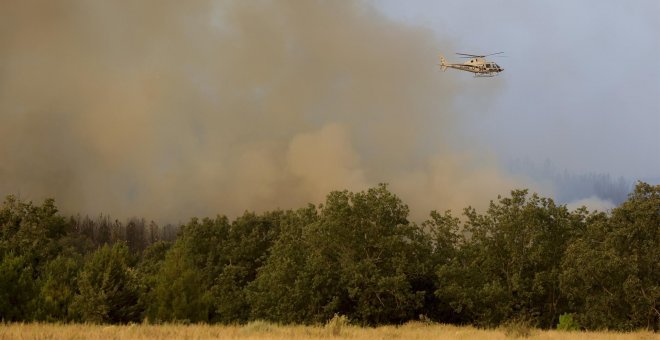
[{"x": 477, "y": 65}]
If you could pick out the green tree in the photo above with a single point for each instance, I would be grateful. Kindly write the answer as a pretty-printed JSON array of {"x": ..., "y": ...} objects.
[
  {"x": 180, "y": 293},
  {"x": 30, "y": 237},
  {"x": 378, "y": 254},
  {"x": 358, "y": 256},
  {"x": 148, "y": 269},
  {"x": 184, "y": 280},
  {"x": 31, "y": 230},
  {"x": 108, "y": 287},
  {"x": 508, "y": 262},
  {"x": 219, "y": 259},
  {"x": 245, "y": 250},
  {"x": 17, "y": 288},
  {"x": 444, "y": 234},
  {"x": 57, "y": 288},
  {"x": 612, "y": 273},
  {"x": 279, "y": 292}
]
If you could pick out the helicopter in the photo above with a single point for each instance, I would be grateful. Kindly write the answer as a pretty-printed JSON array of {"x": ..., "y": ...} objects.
[{"x": 477, "y": 65}]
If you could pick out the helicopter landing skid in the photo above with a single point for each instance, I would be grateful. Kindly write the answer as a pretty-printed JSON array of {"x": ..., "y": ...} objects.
[{"x": 484, "y": 75}]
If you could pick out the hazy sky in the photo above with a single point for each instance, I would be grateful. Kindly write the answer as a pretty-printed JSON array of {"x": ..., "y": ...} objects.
[
  {"x": 169, "y": 109},
  {"x": 581, "y": 85}
]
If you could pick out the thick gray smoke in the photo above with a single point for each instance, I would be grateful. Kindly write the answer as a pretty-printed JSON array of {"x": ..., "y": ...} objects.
[{"x": 169, "y": 109}]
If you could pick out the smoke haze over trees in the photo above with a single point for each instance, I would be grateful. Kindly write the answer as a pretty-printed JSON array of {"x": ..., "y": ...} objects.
[
  {"x": 238, "y": 106},
  {"x": 185, "y": 109}
]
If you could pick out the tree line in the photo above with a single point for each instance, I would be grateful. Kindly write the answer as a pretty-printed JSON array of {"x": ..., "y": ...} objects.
[
  {"x": 357, "y": 255},
  {"x": 569, "y": 187}
]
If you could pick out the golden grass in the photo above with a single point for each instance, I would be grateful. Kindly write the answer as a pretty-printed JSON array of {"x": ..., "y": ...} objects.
[{"x": 264, "y": 330}]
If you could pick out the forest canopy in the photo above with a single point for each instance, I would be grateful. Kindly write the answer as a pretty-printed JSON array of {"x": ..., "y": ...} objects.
[{"x": 358, "y": 255}]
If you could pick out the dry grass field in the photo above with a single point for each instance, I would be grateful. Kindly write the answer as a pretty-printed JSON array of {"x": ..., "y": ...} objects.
[{"x": 263, "y": 330}]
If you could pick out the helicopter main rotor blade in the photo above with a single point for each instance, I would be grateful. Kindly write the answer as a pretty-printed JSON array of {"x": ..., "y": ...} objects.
[
  {"x": 477, "y": 56},
  {"x": 470, "y": 55}
]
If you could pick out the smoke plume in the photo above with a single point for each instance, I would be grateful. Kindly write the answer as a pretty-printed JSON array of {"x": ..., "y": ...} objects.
[{"x": 171, "y": 109}]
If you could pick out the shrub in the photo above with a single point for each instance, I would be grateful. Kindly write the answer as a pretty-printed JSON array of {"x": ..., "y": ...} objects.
[
  {"x": 567, "y": 323},
  {"x": 336, "y": 324}
]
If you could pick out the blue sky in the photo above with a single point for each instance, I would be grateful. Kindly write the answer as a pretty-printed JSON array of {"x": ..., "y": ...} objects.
[{"x": 581, "y": 85}]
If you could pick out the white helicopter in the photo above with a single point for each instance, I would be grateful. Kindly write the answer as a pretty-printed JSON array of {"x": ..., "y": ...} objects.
[{"x": 477, "y": 65}]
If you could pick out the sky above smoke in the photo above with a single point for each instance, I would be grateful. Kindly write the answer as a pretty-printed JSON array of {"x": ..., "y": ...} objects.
[
  {"x": 172, "y": 109},
  {"x": 581, "y": 85}
]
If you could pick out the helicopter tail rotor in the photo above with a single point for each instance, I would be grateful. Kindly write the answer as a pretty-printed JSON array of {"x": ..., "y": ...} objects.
[{"x": 443, "y": 63}]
